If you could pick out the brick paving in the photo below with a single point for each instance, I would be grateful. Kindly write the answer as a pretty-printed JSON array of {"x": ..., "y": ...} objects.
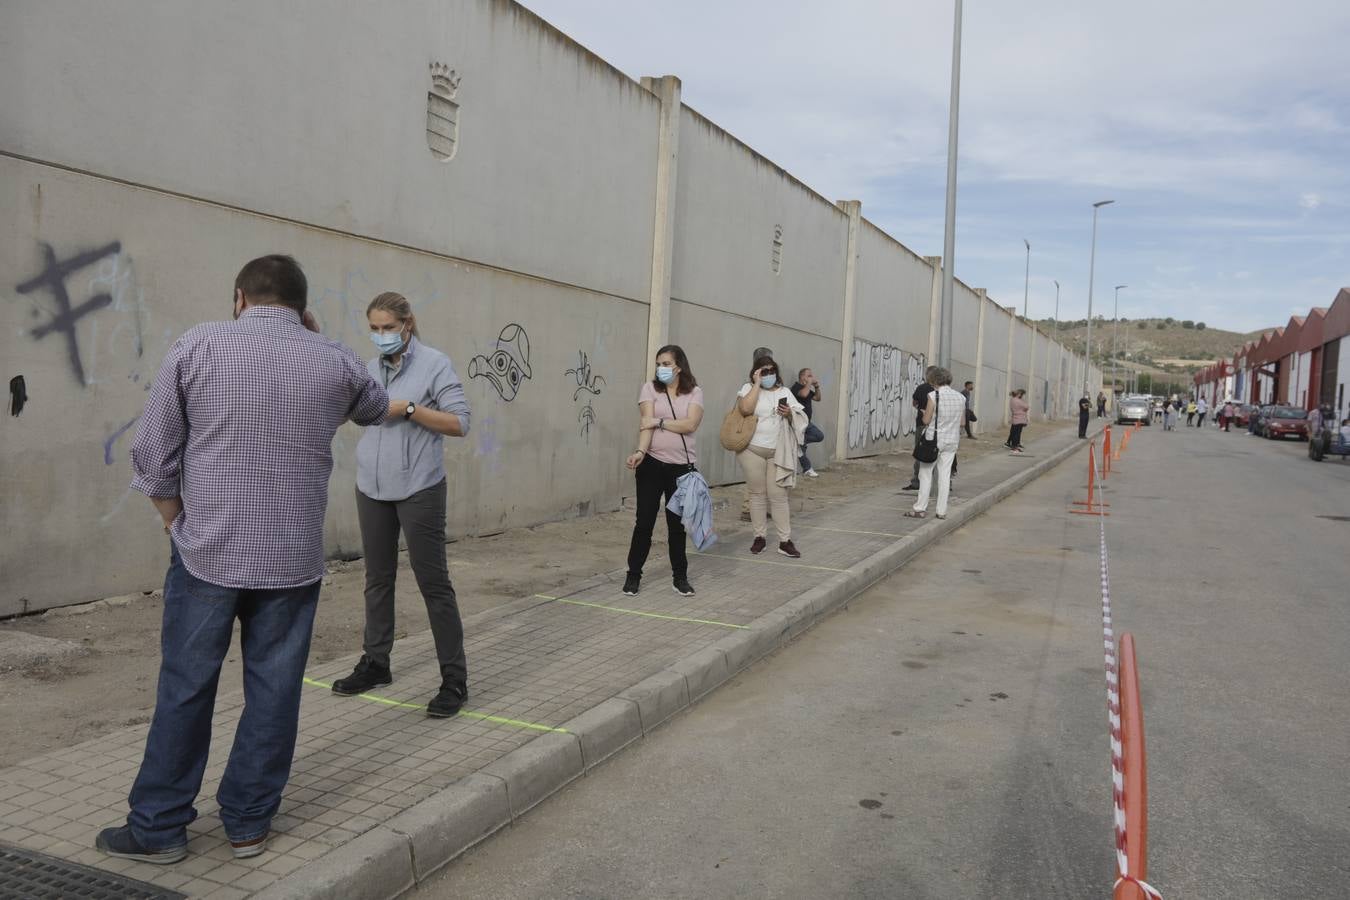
[{"x": 534, "y": 665}]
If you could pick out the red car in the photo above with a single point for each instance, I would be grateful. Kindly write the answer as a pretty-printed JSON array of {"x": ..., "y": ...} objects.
[
  {"x": 1243, "y": 414},
  {"x": 1285, "y": 421}
]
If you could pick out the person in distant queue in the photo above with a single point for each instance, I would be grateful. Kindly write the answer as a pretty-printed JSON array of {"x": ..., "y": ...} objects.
[
  {"x": 770, "y": 462},
  {"x": 1084, "y": 414},
  {"x": 941, "y": 419},
  {"x": 1101, "y": 404},
  {"x": 235, "y": 450},
  {"x": 1227, "y": 415},
  {"x": 1190, "y": 413},
  {"x": 401, "y": 486},
  {"x": 1019, "y": 412},
  {"x": 807, "y": 391},
  {"x": 1201, "y": 408},
  {"x": 969, "y": 393},
  {"x": 670, "y": 408},
  {"x": 760, "y": 353}
]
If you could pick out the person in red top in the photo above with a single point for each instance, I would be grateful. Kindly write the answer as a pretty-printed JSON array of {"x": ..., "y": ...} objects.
[{"x": 1020, "y": 409}]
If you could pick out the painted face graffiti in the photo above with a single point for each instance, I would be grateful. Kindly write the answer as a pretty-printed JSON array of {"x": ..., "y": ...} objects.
[{"x": 507, "y": 368}]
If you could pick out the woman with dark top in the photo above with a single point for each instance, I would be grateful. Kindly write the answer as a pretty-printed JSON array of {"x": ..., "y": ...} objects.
[{"x": 671, "y": 408}]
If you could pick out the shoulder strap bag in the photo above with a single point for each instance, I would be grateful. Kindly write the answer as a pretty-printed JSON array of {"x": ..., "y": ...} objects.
[
  {"x": 688, "y": 461},
  {"x": 737, "y": 429},
  {"x": 926, "y": 450}
]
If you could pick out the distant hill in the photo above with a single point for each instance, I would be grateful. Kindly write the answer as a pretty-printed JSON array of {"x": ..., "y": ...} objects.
[{"x": 1164, "y": 345}]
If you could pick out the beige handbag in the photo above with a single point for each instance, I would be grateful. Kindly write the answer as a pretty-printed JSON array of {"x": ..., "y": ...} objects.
[{"x": 737, "y": 429}]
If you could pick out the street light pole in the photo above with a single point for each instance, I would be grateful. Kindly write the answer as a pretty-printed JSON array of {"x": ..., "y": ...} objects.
[
  {"x": 949, "y": 235},
  {"x": 1059, "y": 382},
  {"x": 1092, "y": 267},
  {"x": 1115, "y": 341},
  {"x": 1026, "y": 283}
]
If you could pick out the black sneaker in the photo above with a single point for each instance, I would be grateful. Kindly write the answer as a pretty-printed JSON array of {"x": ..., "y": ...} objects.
[
  {"x": 787, "y": 548},
  {"x": 449, "y": 700},
  {"x": 683, "y": 587},
  {"x": 912, "y": 486},
  {"x": 121, "y": 843},
  {"x": 366, "y": 676},
  {"x": 631, "y": 584}
]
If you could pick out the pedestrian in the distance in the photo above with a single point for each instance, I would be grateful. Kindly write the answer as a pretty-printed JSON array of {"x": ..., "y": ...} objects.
[
  {"x": 919, "y": 400},
  {"x": 1168, "y": 416},
  {"x": 401, "y": 486},
  {"x": 770, "y": 462},
  {"x": 234, "y": 450},
  {"x": 1101, "y": 405},
  {"x": 969, "y": 393},
  {"x": 1227, "y": 415},
  {"x": 1200, "y": 409},
  {"x": 807, "y": 392},
  {"x": 1019, "y": 411},
  {"x": 1084, "y": 414},
  {"x": 941, "y": 421},
  {"x": 759, "y": 353},
  {"x": 670, "y": 409},
  {"x": 1190, "y": 413}
]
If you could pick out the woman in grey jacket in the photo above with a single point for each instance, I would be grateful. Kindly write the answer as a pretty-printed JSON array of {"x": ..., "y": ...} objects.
[{"x": 400, "y": 484}]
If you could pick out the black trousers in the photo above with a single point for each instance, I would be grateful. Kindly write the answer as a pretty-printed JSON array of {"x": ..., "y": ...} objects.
[
  {"x": 421, "y": 517},
  {"x": 655, "y": 486},
  {"x": 1015, "y": 436},
  {"x": 1083, "y": 423}
]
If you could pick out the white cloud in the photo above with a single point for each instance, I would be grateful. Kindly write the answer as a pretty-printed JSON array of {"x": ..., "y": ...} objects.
[{"x": 1309, "y": 201}]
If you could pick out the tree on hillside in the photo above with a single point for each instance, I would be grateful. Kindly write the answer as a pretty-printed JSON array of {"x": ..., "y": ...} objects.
[
  {"x": 1187, "y": 323},
  {"x": 1199, "y": 326},
  {"x": 1160, "y": 325},
  {"x": 1142, "y": 325},
  {"x": 1170, "y": 321}
]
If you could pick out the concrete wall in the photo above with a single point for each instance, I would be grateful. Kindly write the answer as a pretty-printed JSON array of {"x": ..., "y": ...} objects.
[{"x": 150, "y": 162}]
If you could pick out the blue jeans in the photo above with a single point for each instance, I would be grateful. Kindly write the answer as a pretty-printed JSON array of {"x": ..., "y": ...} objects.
[
  {"x": 275, "y": 628},
  {"x": 813, "y": 436}
]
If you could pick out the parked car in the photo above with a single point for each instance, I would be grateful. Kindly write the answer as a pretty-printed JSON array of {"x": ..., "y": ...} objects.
[
  {"x": 1283, "y": 422},
  {"x": 1242, "y": 415},
  {"x": 1133, "y": 409}
]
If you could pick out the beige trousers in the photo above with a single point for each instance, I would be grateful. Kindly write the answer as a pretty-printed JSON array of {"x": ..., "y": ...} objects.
[{"x": 765, "y": 492}]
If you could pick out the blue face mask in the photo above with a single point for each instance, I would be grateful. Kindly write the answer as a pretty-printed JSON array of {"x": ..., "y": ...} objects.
[
  {"x": 665, "y": 374},
  {"x": 389, "y": 344},
  {"x": 768, "y": 381}
]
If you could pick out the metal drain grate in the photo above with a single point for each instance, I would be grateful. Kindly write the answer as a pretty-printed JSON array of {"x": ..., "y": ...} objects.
[{"x": 26, "y": 875}]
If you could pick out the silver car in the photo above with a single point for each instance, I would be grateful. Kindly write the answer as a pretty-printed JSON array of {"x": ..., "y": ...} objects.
[{"x": 1133, "y": 409}]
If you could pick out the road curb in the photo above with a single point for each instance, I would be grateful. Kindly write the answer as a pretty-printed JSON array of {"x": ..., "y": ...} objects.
[{"x": 391, "y": 858}]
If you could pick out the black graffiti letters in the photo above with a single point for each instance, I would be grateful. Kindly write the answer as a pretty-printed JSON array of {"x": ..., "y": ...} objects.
[{"x": 63, "y": 319}]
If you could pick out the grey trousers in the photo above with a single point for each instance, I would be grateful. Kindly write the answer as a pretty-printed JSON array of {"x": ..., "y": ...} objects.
[{"x": 422, "y": 520}]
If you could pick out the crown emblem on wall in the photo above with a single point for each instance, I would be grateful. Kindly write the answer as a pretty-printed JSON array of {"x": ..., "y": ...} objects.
[{"x": 444, "y": 80}]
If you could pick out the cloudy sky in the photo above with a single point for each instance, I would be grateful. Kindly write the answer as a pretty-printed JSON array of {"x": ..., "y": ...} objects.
[{"x": 1221, "y": 130}]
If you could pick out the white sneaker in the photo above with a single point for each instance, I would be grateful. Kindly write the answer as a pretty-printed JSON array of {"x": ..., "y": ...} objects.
[{"x": 811, "y": 473}]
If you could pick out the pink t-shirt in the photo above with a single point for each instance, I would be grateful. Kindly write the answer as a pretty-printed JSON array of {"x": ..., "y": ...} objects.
[{"x": 666, "y": 445}]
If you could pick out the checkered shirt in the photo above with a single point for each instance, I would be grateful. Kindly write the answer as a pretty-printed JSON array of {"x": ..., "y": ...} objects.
[{"x": 240, "y": 424}]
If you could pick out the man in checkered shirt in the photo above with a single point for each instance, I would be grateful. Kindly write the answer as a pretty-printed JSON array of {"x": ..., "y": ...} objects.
[{"x": 234, "y": 450}]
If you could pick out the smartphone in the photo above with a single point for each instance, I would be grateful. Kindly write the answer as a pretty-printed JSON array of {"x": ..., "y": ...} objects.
[{"x": 782, "y": 402}]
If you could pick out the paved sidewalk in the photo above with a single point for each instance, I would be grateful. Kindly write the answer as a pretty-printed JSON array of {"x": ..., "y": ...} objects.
[{"x": 559, "y": 682}]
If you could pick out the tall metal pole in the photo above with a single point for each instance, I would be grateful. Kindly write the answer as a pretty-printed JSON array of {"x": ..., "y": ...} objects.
[
  {"x": 949, "y": 236},
  {"x": 1092, "y": 268},
  {"x": 1059, "y": 382},
  {"x": 1026, "y": 283},
  {"x": 1115, "y": 341}
]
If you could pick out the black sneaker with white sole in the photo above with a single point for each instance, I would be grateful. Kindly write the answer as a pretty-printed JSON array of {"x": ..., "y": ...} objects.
[
  {"x": 632, "y": 584},
  {"x": 121, "y": 843},
  {"x": 683, "y": 587}
]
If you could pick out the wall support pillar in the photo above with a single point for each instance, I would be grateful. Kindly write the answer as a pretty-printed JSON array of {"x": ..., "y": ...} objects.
[
  {"x": 976, "y": 406},
  {"x": 853, "y": 209},
  {"x": 667, "y": 88}
]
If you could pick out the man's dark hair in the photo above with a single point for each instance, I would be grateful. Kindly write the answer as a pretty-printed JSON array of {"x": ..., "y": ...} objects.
[
  {"x": 970, "y": 384},
  {"x": 275, "y": 279}
]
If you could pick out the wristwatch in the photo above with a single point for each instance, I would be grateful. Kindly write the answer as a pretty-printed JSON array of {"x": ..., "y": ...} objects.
[
  {"x": 412, "y": 407},
  {"x": 661, "y": 424}
]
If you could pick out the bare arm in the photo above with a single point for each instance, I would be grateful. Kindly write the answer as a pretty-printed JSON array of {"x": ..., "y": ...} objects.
[
  {"x": 930, "y": 407},
  {"x": 644, "y": 441}
]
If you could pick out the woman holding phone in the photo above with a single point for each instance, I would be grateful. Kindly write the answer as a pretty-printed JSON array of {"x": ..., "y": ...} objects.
[
  {"x": 671, "y": 409},
  {"x": 777, "y": 439}
]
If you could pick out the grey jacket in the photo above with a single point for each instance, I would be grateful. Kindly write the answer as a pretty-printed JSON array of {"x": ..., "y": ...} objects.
[{"x": 399, "y": 458}]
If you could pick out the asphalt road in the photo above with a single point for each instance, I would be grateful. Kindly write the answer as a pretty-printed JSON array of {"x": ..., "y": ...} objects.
[{"x": 945, "y": 735}]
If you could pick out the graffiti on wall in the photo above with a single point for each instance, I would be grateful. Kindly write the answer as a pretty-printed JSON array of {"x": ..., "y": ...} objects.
[
  {"x": 65, "y": 316},
  {"x": 508, "y": 366},
  {"x": 881, "y": 380},
  {"x": 588, "y": 382}
]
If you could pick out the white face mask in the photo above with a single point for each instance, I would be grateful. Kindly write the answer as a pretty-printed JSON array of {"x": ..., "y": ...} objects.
[{"x": 768, "y": 381}]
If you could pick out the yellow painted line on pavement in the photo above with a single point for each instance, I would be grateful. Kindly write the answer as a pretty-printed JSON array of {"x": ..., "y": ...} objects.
[
  {"x": 849, "y": 531},
  {"x": 768, "y": 562},
  {"x": 481, "y": 717},
  {"x": 638, "y": 612}
]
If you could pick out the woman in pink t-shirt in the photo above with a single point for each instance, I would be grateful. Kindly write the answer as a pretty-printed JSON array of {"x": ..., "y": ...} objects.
[{"x": 671, "y": 407}]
